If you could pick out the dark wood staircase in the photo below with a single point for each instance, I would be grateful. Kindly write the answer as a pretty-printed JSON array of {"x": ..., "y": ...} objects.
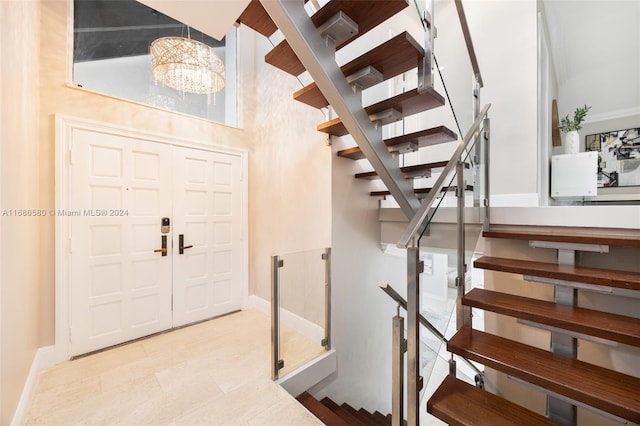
[
  {"x": 456, "y": 402},
  {"x": 333, "y": 414},
  {"x": 595, "y": 386}
]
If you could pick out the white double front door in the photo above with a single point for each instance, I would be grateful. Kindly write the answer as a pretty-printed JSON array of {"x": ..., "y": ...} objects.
[{"x": 129, "y": 277}]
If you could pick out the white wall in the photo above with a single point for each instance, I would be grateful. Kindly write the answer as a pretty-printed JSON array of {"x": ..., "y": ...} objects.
[{"x": 361, "y": 312}]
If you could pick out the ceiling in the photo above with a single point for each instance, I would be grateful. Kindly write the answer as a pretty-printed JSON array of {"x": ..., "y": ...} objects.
[
  {"x": 588, "y": 31},
  {"x": 105, "y": 29}
]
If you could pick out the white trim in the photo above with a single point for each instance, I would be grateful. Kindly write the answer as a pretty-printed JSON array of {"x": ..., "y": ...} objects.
[
  {"x": 308, "y": 329},
  {"x": 527, "y": 199},
  {"x": 619, "y": 217},
  {"x": 613, "y": 115},
  {"x": 310, "y": 374},
  {"x": 65, "y": 125},
  {"x": 30, "y": 384}
]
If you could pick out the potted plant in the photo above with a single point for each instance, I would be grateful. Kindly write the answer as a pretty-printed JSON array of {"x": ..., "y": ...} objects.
[{"x": 570, "y": 129}]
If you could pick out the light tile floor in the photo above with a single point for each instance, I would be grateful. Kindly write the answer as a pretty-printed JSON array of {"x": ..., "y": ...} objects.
[{"x": 213, "y": 373}]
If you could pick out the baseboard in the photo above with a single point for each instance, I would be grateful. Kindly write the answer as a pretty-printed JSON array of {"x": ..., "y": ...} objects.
[
  {"x": 529, "y": 199},
  {"x": 303, "y": 326},
  {"x": 28, "y": 391}
]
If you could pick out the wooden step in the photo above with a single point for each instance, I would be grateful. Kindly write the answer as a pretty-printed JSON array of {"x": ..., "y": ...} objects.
[
  {"x": 566, "y": 235},
  {"x": 604, "y": 277},
  {"x": 341, "y": 411},
  {"x": 368, "y": 417},
  {"x": 381, "y": 418},
  {"x": 420, "y": 139},
  {"x": 256, "y": 18},
  {"x": 356, "y": 414},
  {"x": 458, "y": 403},
  {"x": 367, "y": 14},
  {"x": 330, "y": 404},
  {"x": 395, "y": 56},
  {"x": 408, "y": 103},
  {"x": 607, "y": 390},
  {"x": 321, "y": 411},
  {"x": 614, "y": 327},
  {"x": 420, "y": 192},
  {"x": 410, "y": 172}
]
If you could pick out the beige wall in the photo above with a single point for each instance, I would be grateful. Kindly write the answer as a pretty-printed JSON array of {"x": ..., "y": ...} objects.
[
  {"x": 289, "y": 179},
  {"x": 20, "y": 277}
]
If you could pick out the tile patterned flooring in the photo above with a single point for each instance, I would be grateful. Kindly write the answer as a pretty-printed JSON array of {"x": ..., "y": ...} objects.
[{"x": 213, "y": 373}]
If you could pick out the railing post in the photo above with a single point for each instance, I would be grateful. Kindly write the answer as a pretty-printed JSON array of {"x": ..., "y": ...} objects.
[
  {"x": 276, "y": 362},
  {"x": 477, "y": 150},
  {"x": 414, "y": 268},
  {"x": 487, "y": 188},
  {"x": 326, "y": 256},
  {"x": 399, "y": 347},
  {"x": 463, "y": 313},
  {"x": 425, "y": 67}
]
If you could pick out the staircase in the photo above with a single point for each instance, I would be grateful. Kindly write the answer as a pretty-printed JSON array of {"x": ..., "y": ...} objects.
[
  {"x": 333, "y": 414},
  {"x": 309, "y": 45},
  {"x": 562, "y": 376}
]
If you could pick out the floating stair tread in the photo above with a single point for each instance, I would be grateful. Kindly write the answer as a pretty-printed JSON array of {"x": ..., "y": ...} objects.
[
  {"x": 408, "y": 103},
  {"x": 605, "y": 325},
  {"x": 607, "y": 390},
  {"x": 321, "y": 411},
  {"x": 366, "y": 14},
  {"x": 567, "y": 236},
  {"x": 422, "y": 138},
  {"x": 408, "y": 171},
  {"x": 256, "y": 18},
  {"x": 393, "y": 57},
  {"x": 458, "y": 403},
  {"x": 418, "y": 191},
  {"x": 604, "y": 277}
]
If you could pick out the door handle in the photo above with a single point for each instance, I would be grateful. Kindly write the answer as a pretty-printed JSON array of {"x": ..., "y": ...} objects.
[
  {"x": 162, "y": 250},
  {"x": 181, "y": 246}
]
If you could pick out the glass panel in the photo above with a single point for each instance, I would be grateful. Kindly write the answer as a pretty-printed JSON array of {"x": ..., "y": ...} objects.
[
  {"x": 111, "y": 56},
  {"x": 302, "y": 308}
]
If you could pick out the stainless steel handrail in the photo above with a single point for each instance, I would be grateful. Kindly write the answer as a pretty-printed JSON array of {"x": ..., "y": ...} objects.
[
  {"x": 467, "y": 39},
  {"x": 418, "y": 222},
  {"x": 423, "y": 321}
]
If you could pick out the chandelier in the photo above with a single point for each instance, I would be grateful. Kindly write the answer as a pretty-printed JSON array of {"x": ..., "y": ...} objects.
[{"x": 186, "y": 65}]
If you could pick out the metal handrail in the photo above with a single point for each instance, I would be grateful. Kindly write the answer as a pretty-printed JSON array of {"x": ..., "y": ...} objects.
[
  {"x": 467, "y": 39},
  {"x": 418, "y": 223},
  {"x": 423, "y": 321}
]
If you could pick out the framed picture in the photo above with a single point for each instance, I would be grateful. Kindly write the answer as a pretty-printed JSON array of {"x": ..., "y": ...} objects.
[{"x": 618, "y": 157}]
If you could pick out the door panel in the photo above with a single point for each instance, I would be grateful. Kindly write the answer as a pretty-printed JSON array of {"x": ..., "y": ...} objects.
[
  {"x": 119, "y": 289},
  {"x": 120, "y": 189},
  {"x": 207, "y": 211}
]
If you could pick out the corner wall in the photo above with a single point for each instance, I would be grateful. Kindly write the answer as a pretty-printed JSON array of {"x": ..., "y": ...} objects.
[{"x": 20, "y": 277}]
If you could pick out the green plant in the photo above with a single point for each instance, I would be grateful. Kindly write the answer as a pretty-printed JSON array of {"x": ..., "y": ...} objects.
[{"x": 567, "y": 125}]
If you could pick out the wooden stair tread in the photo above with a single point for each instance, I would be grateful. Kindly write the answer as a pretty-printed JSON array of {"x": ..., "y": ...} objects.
[
  {"x": 458, "y": 403},
  {"x": 408, "y": 171},
  {"x": 366, "y": 14},
  {"x": 422, "y": 138},
  {"x": 381, "y": 418},
  {"x": 408, "y": 103},
  {"x": 393, "y": 57},
  {"x": 604, "y": 277},
  {"x": 605, "y": 325},
  {"x": 607, "y": 390},
  {"x": 418, "y": 191},
  {"x": 330, "y": 404},
  {"x": 321, "y": 411},
  {"x": 567, "y": 236},
  {"x": 256, "y": 18},
  {"x": 356, "y": 414}
]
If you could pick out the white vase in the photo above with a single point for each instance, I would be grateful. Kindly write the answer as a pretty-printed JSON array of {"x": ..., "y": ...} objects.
[{"x": 571, "y": 142}]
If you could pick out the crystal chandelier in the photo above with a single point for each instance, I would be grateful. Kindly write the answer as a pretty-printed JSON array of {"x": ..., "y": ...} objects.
[{"x": 186, "y": 65}]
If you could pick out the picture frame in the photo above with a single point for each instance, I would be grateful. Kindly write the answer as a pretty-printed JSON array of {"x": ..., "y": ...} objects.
[{"x": 618, "y": 156}]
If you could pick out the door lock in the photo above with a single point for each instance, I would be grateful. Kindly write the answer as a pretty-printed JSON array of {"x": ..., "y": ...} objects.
[
  {"x": 181, "y": 246},
  {"x": 162, "y": 250},
  {"x": 165, "y": 225}
]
